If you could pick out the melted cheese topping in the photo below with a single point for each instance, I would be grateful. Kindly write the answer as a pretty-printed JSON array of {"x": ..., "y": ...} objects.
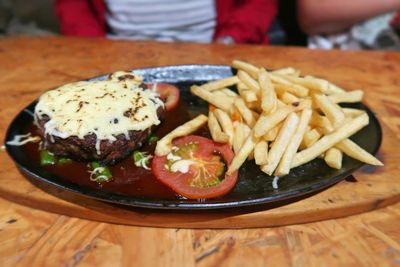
[{"x": 105, "y": 108}]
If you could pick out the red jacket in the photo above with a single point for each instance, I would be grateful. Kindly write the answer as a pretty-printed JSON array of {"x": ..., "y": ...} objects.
[{"x": 247, "y": 21}]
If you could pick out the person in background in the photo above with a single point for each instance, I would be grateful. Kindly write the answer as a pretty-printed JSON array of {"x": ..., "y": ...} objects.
[
  {"x": 350, "y": 24},
  {"x": 224, "y": 21}
]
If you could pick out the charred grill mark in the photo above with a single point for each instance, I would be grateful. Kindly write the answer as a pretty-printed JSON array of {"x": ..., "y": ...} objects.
[
  {"x": 105, "y": 94},
  {"x": 126, "y": 77},
  {"x": 128, "y": 113},
  {"x": 80, "y": 105}
]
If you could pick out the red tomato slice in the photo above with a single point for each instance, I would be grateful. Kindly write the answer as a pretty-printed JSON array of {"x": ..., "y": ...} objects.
[
  {"x": 169, "y": 94},
  {"x": 205, "y": 177}
]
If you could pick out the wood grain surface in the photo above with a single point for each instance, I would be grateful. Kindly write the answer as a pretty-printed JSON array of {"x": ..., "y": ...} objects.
[{"x": 31, "y": 237}]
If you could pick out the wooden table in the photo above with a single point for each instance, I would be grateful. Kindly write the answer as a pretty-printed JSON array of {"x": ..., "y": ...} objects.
[{"x": 33, "y": 237}]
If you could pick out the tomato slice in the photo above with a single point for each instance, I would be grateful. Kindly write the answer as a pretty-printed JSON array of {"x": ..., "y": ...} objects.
[
  {"x": 169, "y": 94},
  {"x": 204, "y": 176}
]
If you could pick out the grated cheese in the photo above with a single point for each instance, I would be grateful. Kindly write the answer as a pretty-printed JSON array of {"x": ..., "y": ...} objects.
[{"x": 22, "y": 139}]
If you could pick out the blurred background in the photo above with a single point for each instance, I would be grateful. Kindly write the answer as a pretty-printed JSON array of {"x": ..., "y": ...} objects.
[
  {"x": 37, "y": 17},
  {"x": 33, "y": 17},
  {"x": 367, "y": 31}
]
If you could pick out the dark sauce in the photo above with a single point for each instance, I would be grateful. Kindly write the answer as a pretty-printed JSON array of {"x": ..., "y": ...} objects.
[{"x": 127, "y": 178}]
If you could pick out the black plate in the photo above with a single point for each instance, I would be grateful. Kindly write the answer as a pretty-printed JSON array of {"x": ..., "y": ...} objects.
[{"x": 253, "y": 187}]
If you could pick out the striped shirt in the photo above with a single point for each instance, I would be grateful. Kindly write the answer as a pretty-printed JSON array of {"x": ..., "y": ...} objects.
[{"x": 163, "y": 20}]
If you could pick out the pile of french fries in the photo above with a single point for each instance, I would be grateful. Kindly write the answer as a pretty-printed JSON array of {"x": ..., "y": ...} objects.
[{"x": 280, "y": 119}]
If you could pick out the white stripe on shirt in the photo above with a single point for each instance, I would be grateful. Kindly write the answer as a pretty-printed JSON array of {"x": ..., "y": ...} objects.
[{"x": 165, "y": 20}]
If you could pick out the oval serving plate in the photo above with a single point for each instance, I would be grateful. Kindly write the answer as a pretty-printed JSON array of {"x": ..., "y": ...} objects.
[{"x": 253, "y": 187}]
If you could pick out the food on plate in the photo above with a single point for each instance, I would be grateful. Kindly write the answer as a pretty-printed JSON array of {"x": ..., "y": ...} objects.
[
  {"x": 291, "y": 119},
  {"x": 195, "y": 168},
  {"x": 218, "y": 84},
  {"x": 218, "y": 101},
  {"x": 329, "y": 140},
  {"x": 98, "y": 120},
  {"x": 100, "y": 173},
  {"x": 215, "y": 129},
  {"x": 164, "y": 145},
  {"x": 281, "y": 143},
  {"x": 279, "y": 119},
  {"x": 333, "y": 157},
  {"x": 294, "y": 143},
  {"x": 168, "y": 93}
]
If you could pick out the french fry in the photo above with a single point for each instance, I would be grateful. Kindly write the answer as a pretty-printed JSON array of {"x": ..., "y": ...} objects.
[
  {"x": 294, "y": 143},
  {"x": 352, "y": 112},
  {"x": 353, "y": 150},
  {"x": 244, "y": 152},
  {"x": 241, "y": 86},
  {"x": 246, "y": 113},
  {"x": 295, "y": 89},
  {"x": 310, "y": 138},
  {"x": 247, "y": 67},
  {"x": 251, "y": 83},
  {"x": 310, "y": 82},
  {"x": 241, "y": 131},
  {"x": 288, "y": 98},
  {"x": 334, "y": 89},
  {"x": 218, "y": 101},
  {"x": 229, "y": 92},
  {"x": 331, "y": 110},
  {"x": 333, "y": 157},
  {"x": 267, "y": 122},
  {"x": 249, "y": 96},
  {"x": 322, "y": 85},
  {"x": 316, "y": 84},
  {"x": 327, "y": 87},
  {"x": 268, "y": 94},
  {"x": 225, "y": 122},
  {"x": 215, "y": 129},
  {"x": 302, "y": 104},
  {"x": 347, "y": 97},
  {"x": 283, "y": 83},
  {"x": 287, "y": 71},
  {"x": 321, "y": 122},
  {"x": 279, "y": 79},
  {"x": 164, "y": 145},
  {"x": 280, "y": 144},
  {"x": 281, "y": 119},
  {"x": 280, "y": 104},
  {"x": 245, "y": 93},
  {"x": 220, "y": 93},
  {"x": 272, "y": 134},
  {"x": 218, "y": 84},
  {"x": 329, "y": 140},
  {"x": 261, "y": 152}
]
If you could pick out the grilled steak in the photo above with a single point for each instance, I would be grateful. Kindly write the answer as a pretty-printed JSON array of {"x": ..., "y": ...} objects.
[{"x": 85, "y": 149}]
